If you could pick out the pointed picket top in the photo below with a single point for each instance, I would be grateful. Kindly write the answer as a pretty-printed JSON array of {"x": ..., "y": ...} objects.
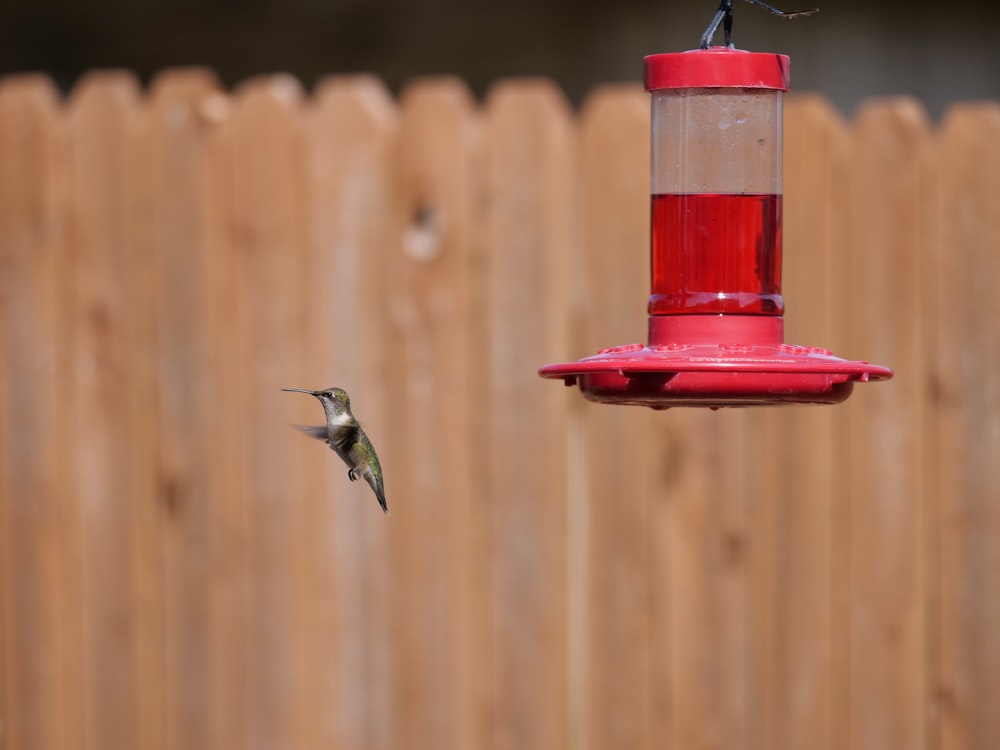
[
  {"x": 105, "y": 88},
  {"x": 350, "y": 136},
  {"x": 32, "y": 135},
  {"x": 614, "y": 153},
  {"x": 264, "y": 104},
  {"x": 816, "y": 232},
  {"x": 29, "y": 91},
  {"x": 103, "y": 112},
  {"x": 366, "y": 93},
  {"x": 279, "y": 86},
  {"x": 891, "y": 138},
  {"x": 178, "y": 84},
  {"x": 438, "y": 114}
]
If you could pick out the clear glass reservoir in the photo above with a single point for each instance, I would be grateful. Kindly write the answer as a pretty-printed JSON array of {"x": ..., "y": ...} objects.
[{"x": 716, "y": 182}]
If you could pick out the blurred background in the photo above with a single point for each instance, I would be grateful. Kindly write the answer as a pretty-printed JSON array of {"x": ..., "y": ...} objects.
[
  {"x": 180, "y": 570},
  {"x": 937, "y": 52}
]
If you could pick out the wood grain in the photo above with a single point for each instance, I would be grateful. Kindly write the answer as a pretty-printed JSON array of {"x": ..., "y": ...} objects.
[
  {"x": 430, "y": 282},
  {"x": 963, "y": 353},
  {"x": 352, "y": 129},
  {"x": 889, "y": 500},
  {"x": 42, "y": 686},
  {"x": 188, "y": 385},
  {"x": 114, "y": 421},
  {"x": 611, "y": 510},
  {"x": 529, "y": 237}
]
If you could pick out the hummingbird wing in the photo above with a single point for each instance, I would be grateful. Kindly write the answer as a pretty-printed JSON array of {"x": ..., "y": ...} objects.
[{"x": 319, "y": 433}]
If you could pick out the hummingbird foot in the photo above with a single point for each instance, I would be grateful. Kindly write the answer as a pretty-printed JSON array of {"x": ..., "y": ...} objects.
[{"x": 354, "y": 474}]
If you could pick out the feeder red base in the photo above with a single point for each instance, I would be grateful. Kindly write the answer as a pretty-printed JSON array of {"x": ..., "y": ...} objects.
[{"x": 715, "y": 361}]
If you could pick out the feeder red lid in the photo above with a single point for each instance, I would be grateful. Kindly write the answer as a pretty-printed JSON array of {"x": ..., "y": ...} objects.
[{"x": 717, "y": 67}]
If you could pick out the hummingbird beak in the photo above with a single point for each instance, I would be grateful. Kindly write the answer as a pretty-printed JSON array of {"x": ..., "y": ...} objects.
[{"x": 301, "y": 390}]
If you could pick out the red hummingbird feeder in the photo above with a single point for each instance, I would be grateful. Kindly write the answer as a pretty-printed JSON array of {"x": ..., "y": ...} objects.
[{"x": 716, "y": 331}]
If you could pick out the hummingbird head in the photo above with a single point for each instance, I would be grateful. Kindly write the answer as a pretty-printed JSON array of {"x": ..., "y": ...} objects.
[{"x": 336, "y": 403}]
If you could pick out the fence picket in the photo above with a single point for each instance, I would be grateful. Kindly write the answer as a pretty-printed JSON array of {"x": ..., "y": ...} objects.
[
  {"x": 114, "y": 422},
  {"x": 352, "y": 136},
  {"x": 887, "y": 496},
  {"x": 263, "y": 147},
  {"x": 529, "y": 235},
  {"x": 802, "y": 486},
  {"x": 430, "y": 299},
  {"x": 963, "y": 353},
  {"x": 41, "y": 689},
  {"x": 188, "y": 493},
  {"x": 614, "y": 710}
]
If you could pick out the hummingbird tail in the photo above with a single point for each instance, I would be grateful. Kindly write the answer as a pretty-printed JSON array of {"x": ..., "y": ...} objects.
[
  {"x": 381, "y": 501},
  {"x": 377, "y": 489},
  {"x": 375, "y": 482}
]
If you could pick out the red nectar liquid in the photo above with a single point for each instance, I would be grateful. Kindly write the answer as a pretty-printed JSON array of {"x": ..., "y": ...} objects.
[{"x": 716, "y": 253}]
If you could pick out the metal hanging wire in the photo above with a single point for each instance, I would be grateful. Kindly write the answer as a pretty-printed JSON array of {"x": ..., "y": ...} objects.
[{"x": 724, "y": 15}]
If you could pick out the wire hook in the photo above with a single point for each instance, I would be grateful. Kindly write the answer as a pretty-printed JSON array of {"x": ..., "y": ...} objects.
[{"x": 724, "y": 15}]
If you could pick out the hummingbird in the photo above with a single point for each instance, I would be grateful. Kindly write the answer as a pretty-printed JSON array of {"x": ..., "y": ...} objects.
[{"x": 344, "y": 435}]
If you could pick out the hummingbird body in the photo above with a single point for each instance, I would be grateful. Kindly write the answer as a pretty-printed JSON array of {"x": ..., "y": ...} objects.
[{"x": 345, "y": 437}]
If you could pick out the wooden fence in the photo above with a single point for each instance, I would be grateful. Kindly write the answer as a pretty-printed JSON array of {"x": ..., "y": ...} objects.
[{"x": 179, "y": 569}]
